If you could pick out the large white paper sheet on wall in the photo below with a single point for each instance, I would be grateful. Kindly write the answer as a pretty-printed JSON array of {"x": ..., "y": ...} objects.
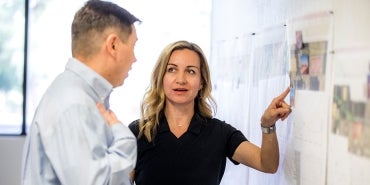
[
  {"x": 309, "y": 38},
  {"x": 305, "y": 160},
  {"x": 269, "y": 79},
  {"x": 230, "y": 71},
  {"x": 349, "y": 131}
]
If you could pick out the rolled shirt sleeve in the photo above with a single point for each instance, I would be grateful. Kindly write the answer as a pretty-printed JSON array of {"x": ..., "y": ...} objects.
[
  {"x": 80, "y": 148},
  {"x": 124, "y": 153}
]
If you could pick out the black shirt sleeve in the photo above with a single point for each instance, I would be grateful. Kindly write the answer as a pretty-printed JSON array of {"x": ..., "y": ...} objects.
[
  {"x": 134, "y": 127},
  {"x": 235, "y": 138}
]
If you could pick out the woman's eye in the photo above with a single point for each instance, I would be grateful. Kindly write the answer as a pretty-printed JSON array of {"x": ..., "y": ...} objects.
[
  {"x": 171, "y": 69},
  {"x": 190, "y": 71}
]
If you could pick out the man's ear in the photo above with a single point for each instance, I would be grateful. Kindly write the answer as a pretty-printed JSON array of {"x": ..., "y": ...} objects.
[{"x": 111, "y": 44}]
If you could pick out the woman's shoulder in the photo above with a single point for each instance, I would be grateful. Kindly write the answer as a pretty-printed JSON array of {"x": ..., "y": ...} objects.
[
  {"x": 219, "y": 123},
  {"x": 214, "y": 120},
  {"x": 134, "y": 127}
]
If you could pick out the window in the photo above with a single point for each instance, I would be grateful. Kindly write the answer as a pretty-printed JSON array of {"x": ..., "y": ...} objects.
[
  {"x": 49, "y": 41},
  {"x": 12, "y": 13}
]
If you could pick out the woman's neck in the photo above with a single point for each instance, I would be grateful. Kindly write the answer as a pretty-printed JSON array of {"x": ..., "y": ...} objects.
[{"x": 178, "y": 116}]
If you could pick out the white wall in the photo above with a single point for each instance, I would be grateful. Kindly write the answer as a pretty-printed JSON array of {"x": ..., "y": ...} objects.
[
  {"x": 11, "y": 148},
  {"x": 311, "y": 153}
]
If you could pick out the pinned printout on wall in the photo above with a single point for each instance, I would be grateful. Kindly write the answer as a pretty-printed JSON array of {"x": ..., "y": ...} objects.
[
  {"x": 270, "y": 77},
  {"x": 309, "y": 39},
  {"x": 349, "y": 131},
  {"x": 260, "y": 72},
  {"x": 231, "y": 70}
]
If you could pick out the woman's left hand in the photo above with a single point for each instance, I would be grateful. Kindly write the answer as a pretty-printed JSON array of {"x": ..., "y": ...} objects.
[{"x": 278, "y": 109}]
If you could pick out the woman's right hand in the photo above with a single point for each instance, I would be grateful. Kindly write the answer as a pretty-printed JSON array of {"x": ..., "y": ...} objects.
[{"x": 108, "y": 115}]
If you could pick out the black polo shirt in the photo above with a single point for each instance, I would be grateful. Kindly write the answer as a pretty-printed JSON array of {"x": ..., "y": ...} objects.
[{"x": 198, "y": 157}]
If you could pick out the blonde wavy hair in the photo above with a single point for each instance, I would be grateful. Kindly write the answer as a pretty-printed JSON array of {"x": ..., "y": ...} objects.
[{"x": 153, "y": 104}]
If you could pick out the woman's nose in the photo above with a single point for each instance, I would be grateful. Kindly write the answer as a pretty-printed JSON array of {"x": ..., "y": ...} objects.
[{"x": 180, "y": 79}]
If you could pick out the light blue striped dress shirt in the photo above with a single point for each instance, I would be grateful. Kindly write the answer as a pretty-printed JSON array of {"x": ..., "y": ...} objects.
[{"x": 69, "y": 141}]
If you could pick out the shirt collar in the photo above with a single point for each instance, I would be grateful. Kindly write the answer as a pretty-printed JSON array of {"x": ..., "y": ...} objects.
[{"x": 99, "y": 84}]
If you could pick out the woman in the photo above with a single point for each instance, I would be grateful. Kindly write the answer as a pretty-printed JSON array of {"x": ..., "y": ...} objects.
[{"x": 179, "y": 142}]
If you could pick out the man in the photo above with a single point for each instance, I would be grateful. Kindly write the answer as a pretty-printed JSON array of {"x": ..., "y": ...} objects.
[{"x": 69, "y": 141}]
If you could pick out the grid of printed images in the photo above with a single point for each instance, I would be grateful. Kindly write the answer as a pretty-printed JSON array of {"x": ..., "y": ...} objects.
[
  {"x": 351, "y": 118},
  {"x": 308, "y": 61}
]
